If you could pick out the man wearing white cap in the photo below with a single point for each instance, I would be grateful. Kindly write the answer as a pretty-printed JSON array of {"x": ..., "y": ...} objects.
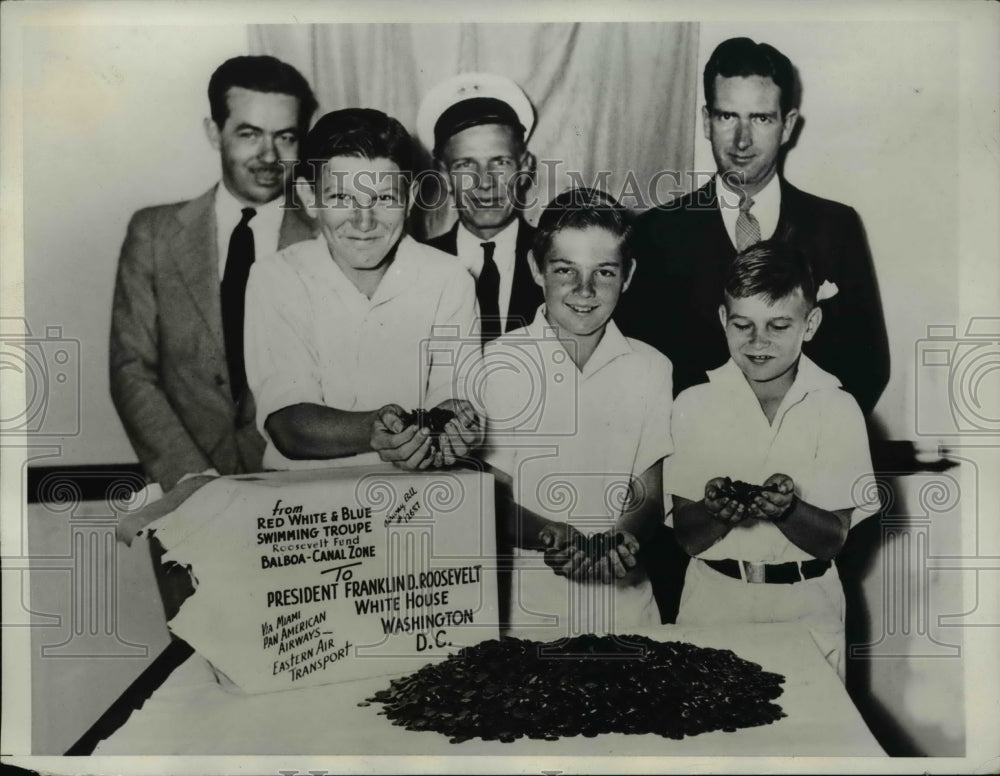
[{"x": 477, "y": 125}]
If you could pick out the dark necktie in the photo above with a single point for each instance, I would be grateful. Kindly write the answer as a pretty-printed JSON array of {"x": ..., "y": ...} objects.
[
  {"x": 488, "y": 294},
  {"x": 234, "y": 285},
  {"x": 747, "y": 226}
]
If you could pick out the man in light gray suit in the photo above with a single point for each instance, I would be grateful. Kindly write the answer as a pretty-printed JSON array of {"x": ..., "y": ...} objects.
[{"x": 176, "y": 350}]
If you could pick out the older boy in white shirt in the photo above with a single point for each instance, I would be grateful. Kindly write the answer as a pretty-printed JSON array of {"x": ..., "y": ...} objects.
[
  {"x": 768, "y": 417},
  {"x": 578, "y": 423},
  {"x": 337, "y": 327}
]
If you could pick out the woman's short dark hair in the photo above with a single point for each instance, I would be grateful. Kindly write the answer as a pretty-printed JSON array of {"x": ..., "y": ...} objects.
[
  {"x": 583, "y": 208},
  {"x": 359, "y": 132}
]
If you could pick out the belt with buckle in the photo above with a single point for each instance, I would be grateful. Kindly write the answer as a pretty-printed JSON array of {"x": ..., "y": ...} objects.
[{"x": 770, "y": 573}]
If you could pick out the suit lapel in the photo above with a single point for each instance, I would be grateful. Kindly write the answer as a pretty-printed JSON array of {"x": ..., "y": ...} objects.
[
  {"x": 798, "y": 226},
  {"x": 715, "y": 245},
  {"x": 193, "y": 250},
  {"x": 525, "y": 295},
  {"x": 788, "y": 214},
  {"x": 713, "y": 212}
]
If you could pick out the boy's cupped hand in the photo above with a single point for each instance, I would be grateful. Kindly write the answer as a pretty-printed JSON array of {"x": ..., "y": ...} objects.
[
  {"x": 562, "y": 551},
  {"x": 619, "y": 560},
  {"x": 565, "y": 554},
  {"x": 775, "y": 499},
  {"x": 408, "y": 447},
  {"x": 720, "y": 505},
  {"x": 461, "y": 434},
  {"x": 413, "y": 447}
]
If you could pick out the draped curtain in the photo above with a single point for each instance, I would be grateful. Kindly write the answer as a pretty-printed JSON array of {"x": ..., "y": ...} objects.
[{"x": 615, "y": 103}]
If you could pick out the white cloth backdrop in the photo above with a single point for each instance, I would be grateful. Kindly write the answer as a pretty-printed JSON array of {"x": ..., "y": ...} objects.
[{"x": 618, "y": 98}]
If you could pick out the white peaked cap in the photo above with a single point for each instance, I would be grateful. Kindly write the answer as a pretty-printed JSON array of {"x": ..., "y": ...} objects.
[{"x": 468, "y": 86}]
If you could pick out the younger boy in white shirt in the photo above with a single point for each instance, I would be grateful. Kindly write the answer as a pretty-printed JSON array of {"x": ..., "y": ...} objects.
[
  {"x": 578, "y": 423},
  {"x": 768, "y": 417}
]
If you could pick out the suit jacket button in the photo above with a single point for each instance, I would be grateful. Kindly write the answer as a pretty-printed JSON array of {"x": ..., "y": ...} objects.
[{"x": 220, "y": 380}]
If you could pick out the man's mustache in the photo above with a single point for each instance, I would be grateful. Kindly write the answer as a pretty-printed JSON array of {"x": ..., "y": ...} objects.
[{"x": 270, "y": 169}]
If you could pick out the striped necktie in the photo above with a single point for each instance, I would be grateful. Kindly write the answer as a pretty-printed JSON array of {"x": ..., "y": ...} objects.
[{"x": 747, "y": 226}]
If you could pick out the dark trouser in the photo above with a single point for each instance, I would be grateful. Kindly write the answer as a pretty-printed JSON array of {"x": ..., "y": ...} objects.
[{"x": 666, "y": 563}]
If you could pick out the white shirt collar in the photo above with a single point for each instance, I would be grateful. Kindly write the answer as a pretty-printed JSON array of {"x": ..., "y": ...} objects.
[
  {"x": 810, "y": 377},
  {"x": 471, "y": 247},
  {"x": 398, "y": 278},
  {"x": 612, "y": 345},
  {"x": 766, "y": 207},
  {"x": 266, "y": 225}
]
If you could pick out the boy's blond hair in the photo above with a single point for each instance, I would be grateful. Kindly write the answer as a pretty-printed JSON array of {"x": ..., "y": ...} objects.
[{"x": 770, "y": 269}]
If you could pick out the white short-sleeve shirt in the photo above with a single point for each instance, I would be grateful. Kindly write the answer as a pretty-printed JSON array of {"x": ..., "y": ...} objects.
[
  {"x": 572, "y": 441},
  {"x": 312, "y": 337},
  {"x": 599, "y": 427},
  {"x": 818, "y": 438}
]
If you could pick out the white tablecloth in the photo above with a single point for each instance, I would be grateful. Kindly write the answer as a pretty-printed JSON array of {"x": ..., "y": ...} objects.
[
  {"x": 192, "y": 714},
  {"x": 95, "y": 615}
]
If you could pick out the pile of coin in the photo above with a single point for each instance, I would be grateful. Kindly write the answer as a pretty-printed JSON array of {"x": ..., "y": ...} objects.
[
  {"x": 434, "y": 420},
  {"x": 597, "y": 546},
  {"x": 507, "y": 689},
  {"x": 744, "y": 492}
]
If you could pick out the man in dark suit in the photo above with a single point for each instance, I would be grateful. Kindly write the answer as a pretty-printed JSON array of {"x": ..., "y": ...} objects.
[
  {"x": 683, "y": 248},
  {"x": 478, "y": 125},
  {"x": 176, "y": 349}
]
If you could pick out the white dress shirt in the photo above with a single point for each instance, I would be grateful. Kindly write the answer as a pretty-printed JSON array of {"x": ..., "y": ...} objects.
[
  {"x": 766, "y": 207},
  {"x": 470, "y": 253},
  {"x": 572, "y": 441},
  {"x": 266, "y": 225}
]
